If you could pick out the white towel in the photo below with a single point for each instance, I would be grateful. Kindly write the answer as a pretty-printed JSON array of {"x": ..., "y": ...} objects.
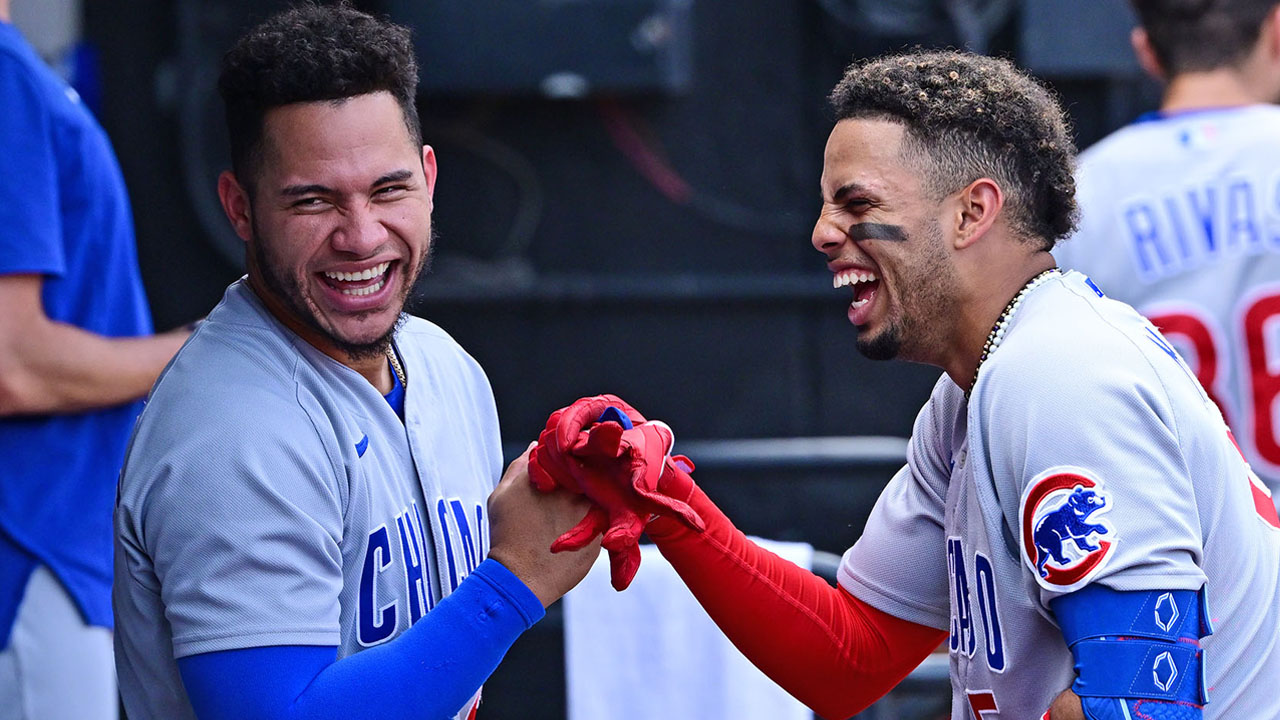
[{"x": 652, "y": 653}]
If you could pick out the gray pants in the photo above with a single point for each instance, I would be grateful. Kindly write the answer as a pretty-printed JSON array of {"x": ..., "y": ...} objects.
[{"x": 56, "y": 667}]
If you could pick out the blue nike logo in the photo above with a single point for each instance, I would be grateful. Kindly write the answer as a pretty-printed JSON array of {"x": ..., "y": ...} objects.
[
  {"x": 362, "y": 446},
  {"x": 1094, "y": 288}
]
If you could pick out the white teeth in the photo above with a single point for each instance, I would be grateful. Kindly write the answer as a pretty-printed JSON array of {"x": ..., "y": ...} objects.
[
  {"x": 361, "y": 292},
  {"x": 859, "y": 303},
  {"x": 851, "y": 277},
  {"x": 367, "y": 274}
]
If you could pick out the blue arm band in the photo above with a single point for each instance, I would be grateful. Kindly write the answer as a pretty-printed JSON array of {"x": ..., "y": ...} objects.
[
  {"x": 429, "y": 671},
  {"x": 1136, "y": 645}
]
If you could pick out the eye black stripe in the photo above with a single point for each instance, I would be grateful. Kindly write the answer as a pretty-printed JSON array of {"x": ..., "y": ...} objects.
[{"x": 876, "y": 231}]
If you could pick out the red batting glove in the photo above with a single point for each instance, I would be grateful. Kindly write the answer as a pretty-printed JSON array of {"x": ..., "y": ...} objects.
[
  {"x": 627, "y": 473},
  {"x": 584, "y": 413},
  {"x": 657, "y": 476},
  {"x": 552, "y": 465},
  {"x": 562, "y": 434}
]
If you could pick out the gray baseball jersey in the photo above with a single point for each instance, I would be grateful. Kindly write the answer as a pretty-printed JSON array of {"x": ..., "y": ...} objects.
[
  {"x": 271, "y": 496},
  {"x": 1083, "y": 420},
  {"x": 1180, "y": 217}
]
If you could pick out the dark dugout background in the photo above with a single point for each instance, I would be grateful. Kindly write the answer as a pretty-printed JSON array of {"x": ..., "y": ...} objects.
[{"x": 624, "y": 204}]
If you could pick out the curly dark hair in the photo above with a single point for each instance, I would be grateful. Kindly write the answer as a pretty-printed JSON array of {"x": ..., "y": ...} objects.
[
  {"x": 1200, "y": 35},
  {"x": 971, "y": 116},
  {"x": 312, "y": 53}
]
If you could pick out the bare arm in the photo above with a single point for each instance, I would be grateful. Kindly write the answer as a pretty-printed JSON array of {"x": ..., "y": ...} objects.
[{"x": 53, "y": 367}]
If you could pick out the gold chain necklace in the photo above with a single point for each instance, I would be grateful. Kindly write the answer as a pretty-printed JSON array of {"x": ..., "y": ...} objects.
[
  {"x": 996, "y": 336},
  {"x": 395, "y": 365}
]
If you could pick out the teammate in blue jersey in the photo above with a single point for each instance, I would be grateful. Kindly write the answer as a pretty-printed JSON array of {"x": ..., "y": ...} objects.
[
  {"x": 308, "y": 525},
  {"x": 1073, "y": 520},
  {"x": 76, "y": 357},
  {"x": 1180, "y": 211}
]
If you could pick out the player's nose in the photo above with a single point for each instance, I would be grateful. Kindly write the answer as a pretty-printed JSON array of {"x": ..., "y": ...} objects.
[
  {"x": 827, "y": 236},
  {"x": 360, "y": 232}
]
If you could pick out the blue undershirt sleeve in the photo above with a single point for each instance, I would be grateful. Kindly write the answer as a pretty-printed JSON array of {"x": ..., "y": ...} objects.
[{"x": 429, "y": 671}]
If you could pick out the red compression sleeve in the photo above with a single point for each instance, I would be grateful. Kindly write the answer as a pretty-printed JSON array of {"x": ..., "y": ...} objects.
[{"x": 832, "y": 651}]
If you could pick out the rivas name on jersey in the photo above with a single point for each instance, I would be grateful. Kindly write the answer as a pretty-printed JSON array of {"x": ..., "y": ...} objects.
[{"x": 1193, "y": 226}]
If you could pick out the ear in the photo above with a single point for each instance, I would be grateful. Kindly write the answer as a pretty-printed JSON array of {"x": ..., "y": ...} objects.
[
  {"x": 1271, "y": 32},
  {"x": 980, "y": 205},
  {"x": 1146, "y": 54},
  {"x": 429, "y": 169},
  {"x": 235, "y": 203}
]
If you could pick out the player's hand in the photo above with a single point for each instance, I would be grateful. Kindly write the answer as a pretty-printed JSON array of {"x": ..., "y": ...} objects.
[
  {"x": 624, "y": 467},
  {"x": 523, "y": 523}
]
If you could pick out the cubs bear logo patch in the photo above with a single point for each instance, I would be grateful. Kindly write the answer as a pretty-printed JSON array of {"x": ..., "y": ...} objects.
[{"x": 1065, "y": 541}]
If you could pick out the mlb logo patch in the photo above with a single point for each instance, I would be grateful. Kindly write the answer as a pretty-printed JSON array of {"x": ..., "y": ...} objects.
[
  {"x": 1065, "y": 539},
  {"x": 1202, "y": 136}
]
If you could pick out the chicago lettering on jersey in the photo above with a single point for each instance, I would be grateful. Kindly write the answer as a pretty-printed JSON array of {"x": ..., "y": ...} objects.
[
  {"x": 1199, "y": 223},
  {"x": 963, "y": 638},
  {"x": 465, "y": 543}
]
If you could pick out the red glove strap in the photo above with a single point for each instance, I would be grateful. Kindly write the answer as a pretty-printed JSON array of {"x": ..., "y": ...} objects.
[{"x": 832, "y": 651}]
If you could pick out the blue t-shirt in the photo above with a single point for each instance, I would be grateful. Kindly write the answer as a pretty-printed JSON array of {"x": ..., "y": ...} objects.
[{"x": 64, "y": 214}]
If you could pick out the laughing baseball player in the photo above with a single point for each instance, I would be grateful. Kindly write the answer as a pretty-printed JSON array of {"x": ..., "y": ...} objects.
[
  {"x": 307, "y": 523},
  {"x": 1074, "y": 520}
]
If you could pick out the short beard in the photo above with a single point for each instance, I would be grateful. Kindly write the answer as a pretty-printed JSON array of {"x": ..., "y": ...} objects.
[
  {"x": 884, "y": 346},
  {"x": 370, "y": 350},
  {"x": 289, "y": 293}
]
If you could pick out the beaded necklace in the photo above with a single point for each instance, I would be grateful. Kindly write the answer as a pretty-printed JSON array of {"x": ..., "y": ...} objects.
[{"x": 996, "y": 336}]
